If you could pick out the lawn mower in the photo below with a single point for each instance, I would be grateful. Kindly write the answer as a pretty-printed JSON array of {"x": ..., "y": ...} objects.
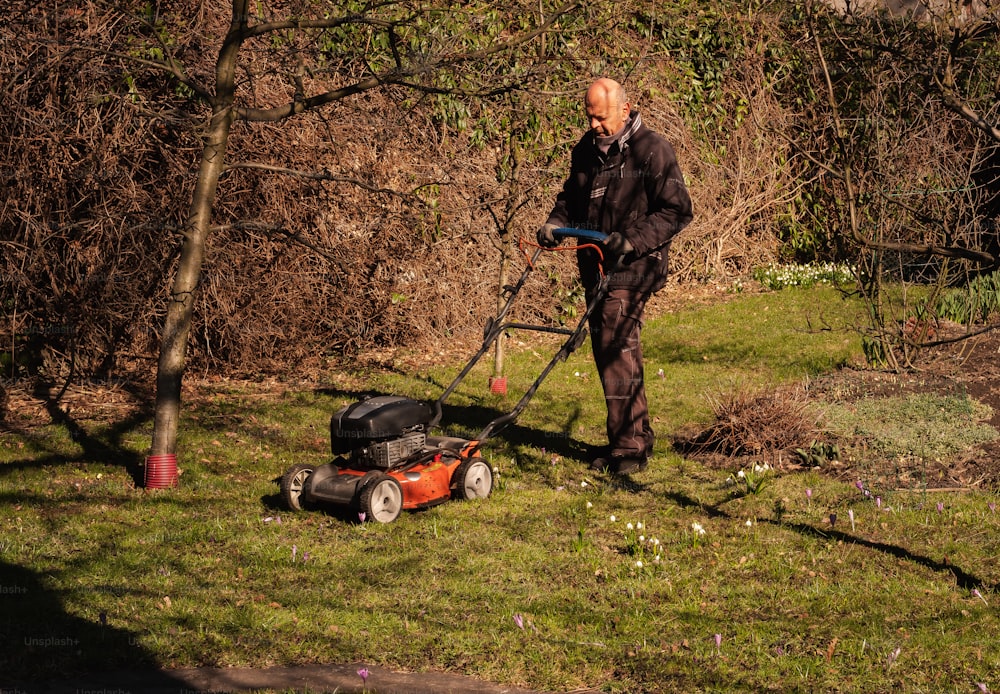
[{"x": 387, "y": 460}]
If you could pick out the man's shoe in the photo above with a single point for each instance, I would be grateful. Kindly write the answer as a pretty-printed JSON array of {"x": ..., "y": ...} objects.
[
  {"x": 619, "y": 465},
  {"x": 600, "y": 464},
  {"x": 626, "y": 466}
]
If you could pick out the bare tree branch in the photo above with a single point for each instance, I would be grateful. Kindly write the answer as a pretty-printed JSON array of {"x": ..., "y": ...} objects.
[
  {"x": 399, "y": 75},
  {"x": 327, "y": 176},
  {"x": 952, "y": 101}
]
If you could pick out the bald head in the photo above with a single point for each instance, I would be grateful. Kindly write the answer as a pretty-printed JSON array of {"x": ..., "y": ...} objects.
[
  {"x": 607, "y": 89},
  {"x": 607, "y": 107}
]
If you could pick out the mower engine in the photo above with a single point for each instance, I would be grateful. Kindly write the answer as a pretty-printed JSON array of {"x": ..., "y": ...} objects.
[{"x": 379, "y": 433}]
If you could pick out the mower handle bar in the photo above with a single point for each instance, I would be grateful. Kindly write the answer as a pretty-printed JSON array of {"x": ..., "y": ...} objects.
[
  {"x": 496, "y": 326},
  {"x": 588, "y": 236},
  {"x": 584, "y": 234}
]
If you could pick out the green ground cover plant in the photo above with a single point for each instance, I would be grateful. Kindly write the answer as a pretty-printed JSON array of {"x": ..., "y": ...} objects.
[
  {"x": 779, "y": 276},
  {"x": 673, "y": 580}
]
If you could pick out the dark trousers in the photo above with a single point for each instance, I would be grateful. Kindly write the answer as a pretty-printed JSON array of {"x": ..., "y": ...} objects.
[{"x": 615, "y": 327}]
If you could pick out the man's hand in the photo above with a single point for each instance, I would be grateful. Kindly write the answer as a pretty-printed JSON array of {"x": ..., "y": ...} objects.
[
  {"x": 545, "y": 237},
  {"x": 616, "y": 245}
]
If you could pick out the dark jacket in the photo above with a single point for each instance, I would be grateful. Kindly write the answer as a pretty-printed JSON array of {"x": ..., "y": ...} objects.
[{"x": 636, "y": 189}]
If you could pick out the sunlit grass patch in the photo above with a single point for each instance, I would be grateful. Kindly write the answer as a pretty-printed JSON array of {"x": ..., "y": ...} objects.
[{"x": 562, "y": 579}]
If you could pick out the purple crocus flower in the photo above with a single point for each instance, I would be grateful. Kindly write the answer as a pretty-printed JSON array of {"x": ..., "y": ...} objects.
[
  {"x": 940, "y": 506},
  {"x": 363, "y": 674},
  {"x": 519, "y": 621},
  {"x": 718, "y": 641},
  {"x": 992, "y": 506},
  {"x": 860, "y": 485},
  {"x": 362, "y": 515},
  {"x": 833, "y": 519}
]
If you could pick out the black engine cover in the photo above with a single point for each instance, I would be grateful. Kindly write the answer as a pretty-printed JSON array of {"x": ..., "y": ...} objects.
[{"x": 380, "y": 418}]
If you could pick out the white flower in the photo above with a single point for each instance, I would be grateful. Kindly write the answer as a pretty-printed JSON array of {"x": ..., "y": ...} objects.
[
  {"x": 590, "y": 505},
  {"x": 638, "y": 526},
  {"x": 697, "y": 528},
  {"x": 583, "y": 483},
  {"x": 638, "y": 564},
  {"x": 654, "y": 541},
  {"x": 749, "y": 523},
  {"x": 642, "y": 538},
  {"x": 741, "y": 474},
  {"x": 628, "y": 527},
  {"x": 612, "y": 518}
]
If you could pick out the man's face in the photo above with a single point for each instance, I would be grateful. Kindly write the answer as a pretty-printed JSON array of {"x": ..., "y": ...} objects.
[{"x": 603, "y": 115}]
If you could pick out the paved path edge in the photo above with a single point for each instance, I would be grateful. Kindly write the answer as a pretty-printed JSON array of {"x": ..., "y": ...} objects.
[{"x": 339, "y": 679}]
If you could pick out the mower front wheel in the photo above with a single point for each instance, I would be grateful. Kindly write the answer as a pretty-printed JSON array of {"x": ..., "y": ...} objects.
[
  {"x": 293, "y": 483},
  {"x": 473, "y": 479},
  {"x": 382, "y": 499}
]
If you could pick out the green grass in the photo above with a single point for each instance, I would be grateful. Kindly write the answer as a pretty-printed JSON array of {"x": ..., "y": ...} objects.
[
  {"x": 97, "y": 573},
  {"x": 951, "y": 424}
]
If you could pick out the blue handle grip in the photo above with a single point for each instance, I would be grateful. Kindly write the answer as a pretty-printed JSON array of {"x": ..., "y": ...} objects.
[{"x": 588, "y": 234}]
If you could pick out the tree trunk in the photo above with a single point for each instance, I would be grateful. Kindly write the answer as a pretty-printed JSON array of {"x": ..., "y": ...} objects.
[{"x": 177, "y": 327}]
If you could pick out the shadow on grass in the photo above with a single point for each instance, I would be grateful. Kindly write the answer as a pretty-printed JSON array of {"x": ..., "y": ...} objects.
[
  {"x": 41, "y": 642},
  {"x": 963, "y": 578},
  {"x": 106, "y": 448}
]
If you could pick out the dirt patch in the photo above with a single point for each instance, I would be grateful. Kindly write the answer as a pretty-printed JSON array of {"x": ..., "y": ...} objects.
[{"x": 967, "y": 369}]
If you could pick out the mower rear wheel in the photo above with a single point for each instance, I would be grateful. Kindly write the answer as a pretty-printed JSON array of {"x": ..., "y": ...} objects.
[
  {"x": 293, "y": 483},
  {"x": 382, "y": 499},
  {"x": 473, "y": 479}
]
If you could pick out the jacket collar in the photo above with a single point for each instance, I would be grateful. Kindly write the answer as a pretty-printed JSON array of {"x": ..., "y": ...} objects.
[
  {"x": 631, "y": 126},
  {"x": 622, "y": 138}
]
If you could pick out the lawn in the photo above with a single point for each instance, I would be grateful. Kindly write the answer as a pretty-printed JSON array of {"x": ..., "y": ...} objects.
[{"x": 682, "y": 578}]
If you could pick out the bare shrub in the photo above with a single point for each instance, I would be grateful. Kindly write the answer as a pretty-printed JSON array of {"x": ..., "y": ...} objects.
[
  {"x": 755, "y": 422},
  {"x": 86, "y": 227},
  {"x": 374, "y": 222},
  {"x": 740, "y": 185},
  {"x": 368, "y": 224}
]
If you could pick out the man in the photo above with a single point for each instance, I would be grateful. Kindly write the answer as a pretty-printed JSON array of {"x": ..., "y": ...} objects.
[{"x": 625, "y": 182}]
